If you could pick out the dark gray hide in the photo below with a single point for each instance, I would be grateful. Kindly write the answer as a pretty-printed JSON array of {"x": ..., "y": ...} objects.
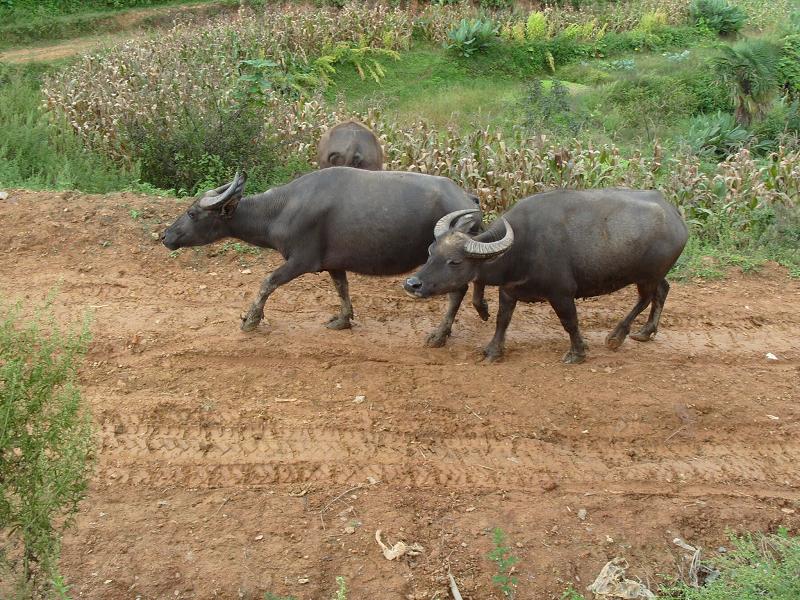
[
  {"x": 350, "y": 144},
  {"x": 336, "y": 220},
  {"x": 562, "y": 245}
]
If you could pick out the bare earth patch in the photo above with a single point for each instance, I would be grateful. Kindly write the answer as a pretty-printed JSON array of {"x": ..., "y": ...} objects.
[{"x": 231, "y": 464}]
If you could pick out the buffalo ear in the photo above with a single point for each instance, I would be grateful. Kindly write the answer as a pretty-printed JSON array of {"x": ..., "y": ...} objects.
[
  {"x": 225, "y": 198},
  {"x": 468, "y": 222}
]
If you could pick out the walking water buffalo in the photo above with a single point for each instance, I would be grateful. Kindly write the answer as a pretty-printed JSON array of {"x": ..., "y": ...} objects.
[
  {"x": 558, "y": 246},
  {"x": 350, "y": 144},
  {"x": 337, "y": 220}
]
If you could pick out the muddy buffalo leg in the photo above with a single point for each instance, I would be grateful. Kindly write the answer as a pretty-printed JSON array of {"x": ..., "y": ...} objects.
[
  {"x": 650, "y": 328},
  {"x": 342, "y": 320},
  {"x": 438, "y": 338},
  {"x": 504, "y": 313},
  {"x": 283, "y": 274},
  {"x": 568, "y": 315}
]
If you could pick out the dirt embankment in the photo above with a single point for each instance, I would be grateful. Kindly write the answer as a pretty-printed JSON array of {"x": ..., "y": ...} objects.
[{"x": 231, "y": 464}]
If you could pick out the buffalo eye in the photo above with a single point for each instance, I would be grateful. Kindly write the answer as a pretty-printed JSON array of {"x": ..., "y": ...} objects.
[
  {"x": 453, "y": 262},
  {"x": 192, "y": 216}
]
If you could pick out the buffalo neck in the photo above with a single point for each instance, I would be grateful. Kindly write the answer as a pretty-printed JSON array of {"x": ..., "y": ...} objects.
[
  {"x": 494, "y": 271},
  {"x": 254, "y": 219}
]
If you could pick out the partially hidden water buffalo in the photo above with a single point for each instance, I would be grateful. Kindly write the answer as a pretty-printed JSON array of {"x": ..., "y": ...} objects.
[
  {"x": 350, "y": 144},
  {"x": 337, "y": 220},
  {"x": 556, "y": 247}
]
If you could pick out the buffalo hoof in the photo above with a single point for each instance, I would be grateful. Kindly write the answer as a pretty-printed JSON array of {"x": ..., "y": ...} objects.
[
  {"x": 437, "y": 339},
  {"x": 573, "y": 358},
  {"x": 338, "y": 323},
  {"x": 614, "y": 340},
  {"x": 492, "y": 354},
  {"x": 250, "y": 322},
  {"x": 482, "y": 308},
  {"x": 643, "y": 336}
]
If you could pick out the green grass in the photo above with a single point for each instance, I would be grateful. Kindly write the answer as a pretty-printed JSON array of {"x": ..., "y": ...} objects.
[
  {"x": 430, "y": 83},
  {"x": 37, "y": 152},
  {"x": 759, "y": 567}
]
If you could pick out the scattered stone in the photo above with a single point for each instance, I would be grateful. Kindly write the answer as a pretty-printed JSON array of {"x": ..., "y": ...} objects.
[
  {"x": 549, "y": 486},
  {"x": 3, "y": 195},
  {"x": 788, "y": 511},
  {"x": 245, "y": 271},
  {"x": 303, "y": 580},
  {"x": 359, "y": 399},
  {"x": 771, "y": 356},
  {"x": 350, "y": 529},
  {"x": 582, "y": 514},
  {"x": 259, "y": 537}
]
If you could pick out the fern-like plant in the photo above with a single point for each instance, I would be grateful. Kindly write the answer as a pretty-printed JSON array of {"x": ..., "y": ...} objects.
[{"x": 749, "y": 69}]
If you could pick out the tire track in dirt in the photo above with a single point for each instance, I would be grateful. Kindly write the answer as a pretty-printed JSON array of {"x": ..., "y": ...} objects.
[{"x": 186, "y": 454}]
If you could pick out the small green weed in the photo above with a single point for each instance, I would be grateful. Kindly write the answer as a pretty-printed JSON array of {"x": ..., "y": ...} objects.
[
  {"x": 341, "y": 592},
  {"x": 135, "y": 214},
  {"x": 504, "y": 560}
]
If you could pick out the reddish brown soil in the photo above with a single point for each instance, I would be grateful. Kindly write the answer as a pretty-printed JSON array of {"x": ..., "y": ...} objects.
[{"x": 230, "y": 465}]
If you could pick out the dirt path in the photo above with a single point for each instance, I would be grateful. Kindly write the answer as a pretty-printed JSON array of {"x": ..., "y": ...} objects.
[
  {"x": 117, "y": 27},
  {"x": 230, "y": 465}
]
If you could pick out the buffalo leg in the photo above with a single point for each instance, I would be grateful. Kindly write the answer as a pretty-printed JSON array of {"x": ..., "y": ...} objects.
[
  {"x": 568, "y": 315},
  {"x": 504, "y": 313},
  {"x": 283, "y": 274},
  {"x": 438, "y": 338},
  {"x": 479, "y": 302},
  {"x": 342, "y": 320},
  {"x": 650, "y": 328},
  {"x": 647, "y": 295}
]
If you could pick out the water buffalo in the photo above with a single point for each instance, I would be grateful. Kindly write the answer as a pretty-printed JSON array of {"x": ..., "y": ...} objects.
[
  {"x": 350, "y": 144},
  {"x": 558, "y": 246},
  {"x": 337, "y": 220}
]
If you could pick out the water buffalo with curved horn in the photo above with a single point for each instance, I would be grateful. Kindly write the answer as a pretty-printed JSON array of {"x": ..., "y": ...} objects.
[
  {"x": 558, "y": 246},
  {"x": 350, "y": 144},
  {"x": 337, "y": 220}
]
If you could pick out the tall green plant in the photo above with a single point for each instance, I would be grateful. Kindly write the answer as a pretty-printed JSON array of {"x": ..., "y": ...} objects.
[
  {"x": 749, "y": 69},
  {"x": 471, "y": 36},
  {"x": 45, "y": 444},
  {"x": 718, "y": 16}
]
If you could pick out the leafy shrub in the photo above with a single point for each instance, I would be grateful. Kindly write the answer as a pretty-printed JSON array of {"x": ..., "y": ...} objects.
[
  {"x": 471, "y": 36},
  {"x": 550, "y": 110},
  {"x": 537, "y": 27},
  {"x": 789, "y": 64},
  {"x": 718, "y": 15},
  {"x": 781, "y": 125},
  {"x": 717, "y": 135},
  {"x": 45, "y": 443}
]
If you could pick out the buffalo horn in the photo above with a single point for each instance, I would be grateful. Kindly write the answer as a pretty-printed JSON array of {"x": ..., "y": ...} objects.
[
  {"x": 213, "y": 199},
  {"x": 444, "y": 224},
  {"x": 476, "y": 249}
]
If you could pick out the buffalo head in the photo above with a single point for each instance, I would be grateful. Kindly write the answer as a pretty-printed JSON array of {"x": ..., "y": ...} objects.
[
  {"x": 206, "y": 220},
  {"x": 455, "y": 256}
]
